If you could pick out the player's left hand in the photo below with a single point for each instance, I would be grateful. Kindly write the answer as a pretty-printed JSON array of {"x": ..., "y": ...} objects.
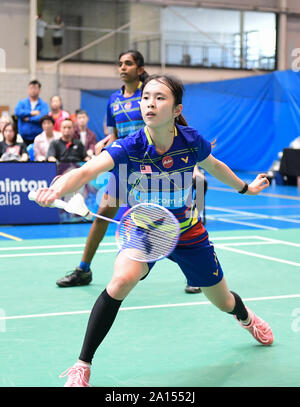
[{"x": 260, "y": 183}]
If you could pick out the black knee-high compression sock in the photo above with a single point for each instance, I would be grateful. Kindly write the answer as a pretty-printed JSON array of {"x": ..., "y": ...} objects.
[
  {"x": 101, "y": 319},
  {"x": 239, "y": 309}
]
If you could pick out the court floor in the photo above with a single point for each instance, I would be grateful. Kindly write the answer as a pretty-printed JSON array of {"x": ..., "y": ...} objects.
[{"x": 162, "y": 336}]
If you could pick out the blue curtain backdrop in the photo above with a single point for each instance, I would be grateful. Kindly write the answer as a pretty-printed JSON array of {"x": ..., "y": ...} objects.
[
  {"x": 95, "y": 102},
  {"x": 252, "y": 119}
]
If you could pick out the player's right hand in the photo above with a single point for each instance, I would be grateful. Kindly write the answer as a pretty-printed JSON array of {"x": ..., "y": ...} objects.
[{"x": 46, "y": 196}]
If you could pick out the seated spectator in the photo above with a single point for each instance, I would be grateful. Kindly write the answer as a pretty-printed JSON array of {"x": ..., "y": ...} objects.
[
  {"x": 57, "y": 112},
  {"x": 82, "y": 132},
  {"x": 10, "y": 149},
  {"x": 29, "y": 112},
  {"x": 43, "y": 140},
  {"x": 66, "y": 148},
  {"x": 4, "y": 119}
]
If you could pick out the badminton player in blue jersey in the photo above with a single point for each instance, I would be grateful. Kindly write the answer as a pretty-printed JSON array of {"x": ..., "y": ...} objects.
[
  {"x": 166, "y": 145},
  {"x": 124, "y": 117}
]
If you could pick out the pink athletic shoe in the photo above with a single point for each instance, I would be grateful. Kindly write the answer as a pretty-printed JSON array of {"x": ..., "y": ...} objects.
[
  {"x": 78, "y": 375},
  {"x": 259, "y": 329}
]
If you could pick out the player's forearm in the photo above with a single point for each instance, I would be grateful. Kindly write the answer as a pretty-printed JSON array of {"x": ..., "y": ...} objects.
[
  {"x": 73, "y": 180},
  {"x": 223, "y": 173},
  {"x": 69, "y": 182}
]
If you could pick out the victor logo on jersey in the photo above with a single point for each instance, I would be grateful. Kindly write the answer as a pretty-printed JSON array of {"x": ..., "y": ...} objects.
[
  {"x": 167, "y": 161},
  {"x": 186, "y": 159},
  {"x": 116, "y": 107},
  {"x": 127, "y": 105}
]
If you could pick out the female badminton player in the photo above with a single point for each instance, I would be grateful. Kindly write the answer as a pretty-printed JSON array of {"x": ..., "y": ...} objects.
[
  {"x": 124, "y": 116},
  {"x": 166, "y": 144}
]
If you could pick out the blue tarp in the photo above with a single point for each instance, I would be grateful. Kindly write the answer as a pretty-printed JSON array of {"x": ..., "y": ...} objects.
[
  {"x": 252, "y": 119},
  {"x": 95, "y": 102}
]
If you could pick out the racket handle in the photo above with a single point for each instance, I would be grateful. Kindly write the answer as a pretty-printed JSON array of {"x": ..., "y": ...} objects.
[{"x": 58, "y": 203}]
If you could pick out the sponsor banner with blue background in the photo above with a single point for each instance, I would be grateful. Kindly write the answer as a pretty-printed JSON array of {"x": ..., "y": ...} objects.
[{"x": 16, "y": 181}]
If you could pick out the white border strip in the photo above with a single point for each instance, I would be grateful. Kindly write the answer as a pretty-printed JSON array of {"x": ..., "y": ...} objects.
[
  {"x": 53, "y": 253},
  {"x": 261, "y": 256},
  {"x": 143, "y": 307}
]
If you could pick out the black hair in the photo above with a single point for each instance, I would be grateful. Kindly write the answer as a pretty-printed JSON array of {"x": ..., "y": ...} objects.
[
  {"x": 80, "y": 111},
  {"x": 47, "y": 117},
  {"x": 35, "y": 82},
  {"x": 67, "y": 119},
  {"x": 13, "y": 125},
  {"x": 176, "y": 87},
  {"x": 138, "y": 59}
]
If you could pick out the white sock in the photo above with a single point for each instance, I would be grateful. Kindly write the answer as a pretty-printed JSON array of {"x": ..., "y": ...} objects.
[{"x": 247, "y": 321}]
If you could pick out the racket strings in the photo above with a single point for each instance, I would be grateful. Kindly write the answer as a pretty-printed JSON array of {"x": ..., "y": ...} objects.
[{"x": 148, "y": 232}]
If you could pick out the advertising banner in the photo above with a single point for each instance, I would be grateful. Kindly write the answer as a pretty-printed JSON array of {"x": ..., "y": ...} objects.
[{"x": 16, "y": 181}]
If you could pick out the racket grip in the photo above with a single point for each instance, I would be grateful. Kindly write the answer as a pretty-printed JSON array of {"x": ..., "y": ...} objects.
[{"x": 58, "y": 203}]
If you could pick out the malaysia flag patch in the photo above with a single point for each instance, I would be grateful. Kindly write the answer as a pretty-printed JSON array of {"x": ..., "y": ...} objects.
[{"x": 146, "y": 169}]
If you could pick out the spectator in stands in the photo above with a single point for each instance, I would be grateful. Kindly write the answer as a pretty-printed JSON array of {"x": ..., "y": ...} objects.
[
  {"x": 66, "y": 148},
  {"x": 29, "y": 112},
  {"x": 57, "y": 112},
  {"x": 4, "y": 119},
  {"x": 41, "y": 26},
  {"x": 10, "y": 149},
  {"x": 82, "y": 132},
  {"x": 43, "y": 140},
  {"x": 57, "y": 35}
]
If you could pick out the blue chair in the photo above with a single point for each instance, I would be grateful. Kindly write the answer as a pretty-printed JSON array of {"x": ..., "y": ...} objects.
[{"x": 30, "y": 152}]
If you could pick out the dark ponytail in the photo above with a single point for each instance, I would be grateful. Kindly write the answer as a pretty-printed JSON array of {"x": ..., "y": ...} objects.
[
  {"x": 181, "y": 120},
  {"x": 177, "y": 89}
]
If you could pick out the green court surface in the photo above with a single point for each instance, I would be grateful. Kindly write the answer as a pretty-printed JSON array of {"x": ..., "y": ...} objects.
[{"x": 162, "y": 336}]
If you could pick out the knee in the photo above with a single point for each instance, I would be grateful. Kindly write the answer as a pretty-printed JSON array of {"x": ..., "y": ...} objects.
[
  {"x": 120, "y": 286},
  {"x": 227, "y": 304}
]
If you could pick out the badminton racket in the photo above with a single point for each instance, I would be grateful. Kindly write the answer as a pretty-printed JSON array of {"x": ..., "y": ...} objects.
[{"x": 146, "y": 232}]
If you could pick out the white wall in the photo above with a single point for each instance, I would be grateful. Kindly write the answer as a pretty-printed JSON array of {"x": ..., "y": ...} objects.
[{"x": 14, "y": 32}]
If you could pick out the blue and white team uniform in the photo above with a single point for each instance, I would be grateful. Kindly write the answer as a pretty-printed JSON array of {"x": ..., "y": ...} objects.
[
  {"x": 124, "y": 113},
  {"x": 166, "y": 179}
]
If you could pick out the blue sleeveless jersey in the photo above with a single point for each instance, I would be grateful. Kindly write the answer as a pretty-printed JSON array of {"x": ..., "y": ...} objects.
[
  {"x": 124, "y": 113},
  {"x": 164, "y": 179}
]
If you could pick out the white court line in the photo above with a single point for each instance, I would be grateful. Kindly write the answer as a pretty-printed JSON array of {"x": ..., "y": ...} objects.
[
  {"x": 254, "y": 225},
  {"x": 235, "y": 212},
  {"x": 53, "y": 253},
  {"x": 55, "y": 246},
  {"x": 277, "y": 241},
  {"x": 83, "y": 244},
  {"x": 262, "y": 240},
  {"x": 142, "y": 307},
  {"x": 271, "y": 195},
  {"x": 261, "y": 256},
  {"x": 246, "y": 243}
]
